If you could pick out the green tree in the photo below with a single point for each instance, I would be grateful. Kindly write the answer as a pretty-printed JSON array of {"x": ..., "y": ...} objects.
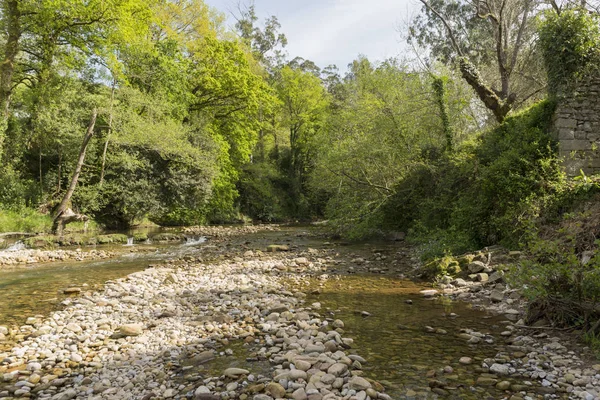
[{"x": 493, "y": 43}]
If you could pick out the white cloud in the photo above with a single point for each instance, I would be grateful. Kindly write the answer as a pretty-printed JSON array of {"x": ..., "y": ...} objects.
[{"x": 336, "y": 31}]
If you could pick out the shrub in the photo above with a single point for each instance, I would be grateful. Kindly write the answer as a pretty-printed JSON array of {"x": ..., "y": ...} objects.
[
  {"x": 561, "y": 275},
  {"x": 570, "y": 43},
  {"x": 24, "y": 220},
  {"x": 488, "y": 191}
]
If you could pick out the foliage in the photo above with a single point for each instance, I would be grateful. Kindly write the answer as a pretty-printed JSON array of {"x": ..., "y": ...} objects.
[
  {"x": 561, "y": 274},
  {"x": 571, "y": 47},
  {"x": 452, "y": 203},
  {"x": 374, "y": 137},
  {"x": 264, "y": 193},
  {"x": 24, "y": 220}
]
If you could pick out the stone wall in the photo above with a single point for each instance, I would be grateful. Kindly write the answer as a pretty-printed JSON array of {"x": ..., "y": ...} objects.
[{"x": 577, "y": 128}]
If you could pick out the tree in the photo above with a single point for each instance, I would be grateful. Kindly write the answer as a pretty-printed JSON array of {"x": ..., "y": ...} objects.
[
  {"x": 379, "y": 131},
  {"x": 61, "y": 216},
  {"x": 267, "y": 43},
  {"x": 493, "y": 43},
  {"x": 12, "y": 31},
  {"x": 304, "y": 103}
]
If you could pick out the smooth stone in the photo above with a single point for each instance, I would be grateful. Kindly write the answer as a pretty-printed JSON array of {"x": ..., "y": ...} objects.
[
  {"x": 275, "y": 390},
  {"x": 358, "y": 383},
  {"x": 235, "y": 372}
]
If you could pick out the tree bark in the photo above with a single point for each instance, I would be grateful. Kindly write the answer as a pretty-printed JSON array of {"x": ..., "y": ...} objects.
[
  {"x": 500, "y": 108},
  {"x": 60, "y": 221},
  {"x": 110, "y": 123},
  {"x": 12, "y": 16}
]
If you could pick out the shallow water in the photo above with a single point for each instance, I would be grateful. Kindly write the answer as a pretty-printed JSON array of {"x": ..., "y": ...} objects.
[
  {"x": 38, "y": 289},
  {"x": 393, "y": 339}
]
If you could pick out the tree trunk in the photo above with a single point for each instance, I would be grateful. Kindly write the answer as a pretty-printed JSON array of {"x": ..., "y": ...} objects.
[
  {"x": 61, "y": 220},
  {"x": 12, "y": 17},
  {"x": 110, "y": 122},
  {"x": 499, "y": 107}
]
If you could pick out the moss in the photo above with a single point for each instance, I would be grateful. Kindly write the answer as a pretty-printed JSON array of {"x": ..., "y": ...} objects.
[
  {"x": 168, "y": 237},
  {"x": 140, "y": 237},
  {"x": 446, "y": 265},
  {"x": 112, "y": 238},
  {"x": 72, "y": 240},
  {"x": 41, "y": 242}
]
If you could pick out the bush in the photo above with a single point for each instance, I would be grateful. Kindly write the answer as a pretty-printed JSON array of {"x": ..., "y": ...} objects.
[
  {"x": 570, "y": 43},
  {"x": 561, "y": 275},
  {"x": 24, "y": 220},
  {"x": 490, "y": 190}
]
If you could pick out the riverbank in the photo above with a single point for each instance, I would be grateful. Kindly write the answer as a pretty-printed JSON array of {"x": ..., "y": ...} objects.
[
  {"x": 46, "y": 248},
  {"x": 540, "y": 352},
  {"x": 251, "y": 323}
]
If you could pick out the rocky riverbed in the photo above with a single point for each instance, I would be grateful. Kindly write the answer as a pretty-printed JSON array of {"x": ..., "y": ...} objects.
[
  {"x": 22, "y": 257},
  {"x": 251, "y": 324},
  {"x": 129, "y": 341},
  {"x": 536, "y": 352}
]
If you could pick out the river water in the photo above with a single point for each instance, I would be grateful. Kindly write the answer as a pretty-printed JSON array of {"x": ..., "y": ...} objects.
[{"x": 386, "y": 316}]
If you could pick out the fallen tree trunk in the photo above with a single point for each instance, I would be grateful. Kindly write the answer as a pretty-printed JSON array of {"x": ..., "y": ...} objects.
[{"x": 63, "y": 214}]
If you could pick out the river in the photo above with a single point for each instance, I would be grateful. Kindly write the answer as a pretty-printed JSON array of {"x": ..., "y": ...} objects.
[{"x": 411, "y": 343}]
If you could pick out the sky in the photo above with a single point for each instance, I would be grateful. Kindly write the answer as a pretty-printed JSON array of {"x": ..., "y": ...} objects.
[{"x": 335, "y": 31}]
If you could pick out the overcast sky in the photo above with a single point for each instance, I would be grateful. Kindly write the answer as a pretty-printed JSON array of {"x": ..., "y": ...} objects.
[{"x": 335, "y": 31}]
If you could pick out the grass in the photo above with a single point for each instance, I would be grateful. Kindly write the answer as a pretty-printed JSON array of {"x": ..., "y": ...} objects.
[
  {"x": 25, "y": 220},
  {"x": 31, "y": 221}
]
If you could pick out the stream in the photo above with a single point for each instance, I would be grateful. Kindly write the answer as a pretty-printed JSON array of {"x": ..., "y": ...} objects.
[{"x": 408, "y": 340}]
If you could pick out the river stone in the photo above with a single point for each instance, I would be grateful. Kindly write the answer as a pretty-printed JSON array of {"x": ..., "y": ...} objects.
[
  {"x": 338, "y": 323},
  {"x": 465, "y": 360},
  {"x": 328, "y": 379},
  {"x": 3, "y": 330},
  {"x": 299, "y": 394},
  {"x": 355, "y": 357},
  {"x": 262, "y": 397},
  {"x": 130, "y": 330},
  {"x": 500, "y": 369},
  {"x": 496, "y": 296},
  {"x": 66, "y": 395},
  {"x": 337, "y": 369},
  {"x": 486, "y": 381},
  {"x": 73, "y": 327},
  {"x": 235, "y": 372},
  {"x": 302, "y": 365},
  {"x": 72, "y": 290},
  {"x": 503, "y": 385},
  {"x": 358, "y": 383},
  {"x": 204, "y": 357},
  {"x": 497, "y": 276},
  {"x": 301, "y": 260},
  {"x": 315, "y": 348},
  {"x": 296, "y": 374},
  {"x": 272, "y": 248},
  {"x": 206, "y": 396},
  {"x": 275, "y": 390},
  {"x": 476, "y": 267},
  {"x": 201, "y": 390}
]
